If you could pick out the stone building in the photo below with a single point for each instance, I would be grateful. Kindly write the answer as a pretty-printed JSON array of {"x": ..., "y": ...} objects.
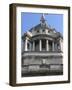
[{"x": 42, "y": 50}]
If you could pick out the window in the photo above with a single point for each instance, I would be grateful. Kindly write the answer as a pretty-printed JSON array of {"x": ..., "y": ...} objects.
[
  {"x": 37, "y": 31},
  {"x": 36, "y": 45},
  {"x": 58, "y": 46},
  {"x": 43, "y": 45},
  {"x": 48, "y": 31},
  {"x": 28, "y": 46},
  {"x": 43, "y": 30},
  {"x": 50, "y": 45}
]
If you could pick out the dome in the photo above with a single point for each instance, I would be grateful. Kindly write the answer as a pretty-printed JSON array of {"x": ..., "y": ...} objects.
[{"x": 43, "y": 30}]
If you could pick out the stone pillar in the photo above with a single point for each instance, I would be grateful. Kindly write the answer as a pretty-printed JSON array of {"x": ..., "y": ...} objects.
[
  {"x": 60, "y": 45},
  {"x": 47, "y": 45},
  {"x": 52, "y": 46},
  {"x": 25, "y": 44},
  {"x": 40, "y": 45},
  {"x": 55, "y": 46},
  {"x": 33, "y": 45}
]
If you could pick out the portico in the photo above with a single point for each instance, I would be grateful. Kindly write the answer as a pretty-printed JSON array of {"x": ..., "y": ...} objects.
[{"x": 40, "y": 45}]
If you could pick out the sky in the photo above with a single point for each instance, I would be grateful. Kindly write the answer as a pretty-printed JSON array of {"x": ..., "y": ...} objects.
[{"x": 29, "y": 20}]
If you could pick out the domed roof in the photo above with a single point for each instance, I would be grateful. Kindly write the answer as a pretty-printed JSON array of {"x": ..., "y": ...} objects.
[
  {"x": 44, "y": 27},
  {"x": 39, "y": 26}
]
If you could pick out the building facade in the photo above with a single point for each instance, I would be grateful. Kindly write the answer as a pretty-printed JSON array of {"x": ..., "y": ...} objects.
[{"x": 42, "y": 50}]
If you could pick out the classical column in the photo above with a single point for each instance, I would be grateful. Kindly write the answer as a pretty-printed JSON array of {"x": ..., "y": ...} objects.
[
  {"x": 60, "y": 44},
  {"x": 47, "y": 45},
  {"x": 55, "y": 46},
  {"x": 33, "y": 45},
  {"x": 40, "y": 45},
  {"x": 25, "y": 44},
  {"x": 52, "y": 46}
]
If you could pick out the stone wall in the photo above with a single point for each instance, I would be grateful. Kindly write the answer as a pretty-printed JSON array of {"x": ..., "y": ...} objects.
[{"x": 39, "y": 60}]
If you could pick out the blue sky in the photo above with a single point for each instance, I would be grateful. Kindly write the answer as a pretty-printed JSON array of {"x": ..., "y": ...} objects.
[{"x": 28, "y": 20}]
